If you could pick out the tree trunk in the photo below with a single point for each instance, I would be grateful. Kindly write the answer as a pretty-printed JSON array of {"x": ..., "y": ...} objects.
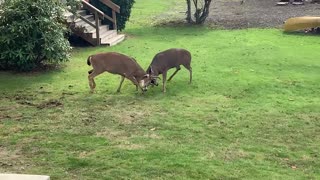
[
  {"x": 205, "y": 11},
  {"x": 189, "y": 19},
  {"x": 200, "y": 14}
]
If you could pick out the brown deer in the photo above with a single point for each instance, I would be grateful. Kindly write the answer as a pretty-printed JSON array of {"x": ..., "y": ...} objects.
[
  {"x": 163, "y": 61},
  {"x": 116, "y": 63}
]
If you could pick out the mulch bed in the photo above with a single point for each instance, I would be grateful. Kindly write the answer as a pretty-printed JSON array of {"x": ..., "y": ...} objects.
[{"x": 237, "y": 14}]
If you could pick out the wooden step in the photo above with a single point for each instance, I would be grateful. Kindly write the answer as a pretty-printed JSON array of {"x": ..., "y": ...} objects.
[
  {"x": 88, "y": 33},
  {"x": 87, "y": 26},
  {"x": 113, "y": 41},
  {"x": 82, "y": 12},
  {"x": 104, "y": 33},
  {"x": 89, "y": 17},
  {"x": 102, "y": 29},
  {"x": 108, "y": 35}
]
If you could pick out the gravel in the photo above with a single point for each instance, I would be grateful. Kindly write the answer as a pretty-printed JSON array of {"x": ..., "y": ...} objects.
[{"x": 238, "y": 14}]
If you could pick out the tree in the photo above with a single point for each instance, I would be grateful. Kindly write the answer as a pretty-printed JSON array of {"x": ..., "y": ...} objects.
[
  {"x": 32, "y": 33},
  {"x": 201, "y": 11}
]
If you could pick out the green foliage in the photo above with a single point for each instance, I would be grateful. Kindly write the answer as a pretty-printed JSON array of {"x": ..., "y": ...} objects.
[
  {"x": 125, "y": 11},
  {"x": 73, "y": 5},
  {"x": 32, "y": 33}
]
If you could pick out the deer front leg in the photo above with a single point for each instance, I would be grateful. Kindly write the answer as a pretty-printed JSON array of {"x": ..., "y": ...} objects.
[
  {"x": 190, "y": 71},
  {"x": 135, "y": 81},
  {"x": 164, "y": 81},
  {"x": 121, "y": 81}
]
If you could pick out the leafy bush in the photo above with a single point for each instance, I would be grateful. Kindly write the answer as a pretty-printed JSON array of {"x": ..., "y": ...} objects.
[
  {"x": 125, "y": 11},
  {"x": 32, "y": 33}
]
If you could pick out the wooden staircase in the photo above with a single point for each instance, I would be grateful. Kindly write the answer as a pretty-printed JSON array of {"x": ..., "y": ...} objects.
[{"x": 87, "y": 24}]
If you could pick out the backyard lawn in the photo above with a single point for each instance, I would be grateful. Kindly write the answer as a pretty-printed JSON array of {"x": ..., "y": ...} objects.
[{"x": 251, "y": 112}]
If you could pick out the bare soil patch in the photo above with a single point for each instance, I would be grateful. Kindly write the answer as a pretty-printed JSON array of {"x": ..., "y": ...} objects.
[
  {"x": 50, "y": 104},
  {"x": 235, "y": 14}
]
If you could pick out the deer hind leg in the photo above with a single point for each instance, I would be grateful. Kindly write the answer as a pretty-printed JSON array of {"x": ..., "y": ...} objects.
[
  {"x": 190, "y": 71},
  {"x": 164, "y": 76},
  {"x": 178, "y": 69},
  {"x": 91, "y": 77},
  {"x": 121, "y": 81}
]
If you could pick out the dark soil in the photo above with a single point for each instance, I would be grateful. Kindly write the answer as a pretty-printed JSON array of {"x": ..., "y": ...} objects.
[
  {"x": 50, "y": 104},
  {"x": 233, "y": 14}
]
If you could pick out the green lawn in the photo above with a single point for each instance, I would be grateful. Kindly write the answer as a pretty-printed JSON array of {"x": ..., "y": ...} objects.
[{"x": 252, "y": 111}]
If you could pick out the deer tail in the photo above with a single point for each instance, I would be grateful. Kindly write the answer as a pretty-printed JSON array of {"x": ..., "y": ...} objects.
[{"x": 89, "y": 61}]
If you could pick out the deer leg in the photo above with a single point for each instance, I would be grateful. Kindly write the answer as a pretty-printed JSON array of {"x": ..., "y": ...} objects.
[
  {"x": 164, "y": 76},
  {"x": 91, "y": 77},
  {"x": 134, "y": 80},
  {"x": 178, "y": 69},
  {"x": 121, "y": 81},
  {"x": 137, "y": 88},
  {"x": 190, "y": 71}
]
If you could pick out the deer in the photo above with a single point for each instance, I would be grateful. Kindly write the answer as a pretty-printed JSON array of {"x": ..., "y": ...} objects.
[
  {"x": 119, "y": 64},
  {"x": 165, "y": 60}
]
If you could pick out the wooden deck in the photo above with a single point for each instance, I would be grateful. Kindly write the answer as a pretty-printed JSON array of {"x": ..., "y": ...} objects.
[{"x": 87, "y": 24}]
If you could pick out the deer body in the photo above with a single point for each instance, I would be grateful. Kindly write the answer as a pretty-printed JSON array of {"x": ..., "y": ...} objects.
[
  {"x": 171, "y": 58},
  {"x": 120, "y": 64}
]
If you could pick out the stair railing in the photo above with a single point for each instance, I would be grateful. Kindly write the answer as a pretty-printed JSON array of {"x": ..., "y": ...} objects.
[
  {"x": 100, "y": 15},
  {"x": 115, "y": 9},
  {"x": 97, "y": 14}
]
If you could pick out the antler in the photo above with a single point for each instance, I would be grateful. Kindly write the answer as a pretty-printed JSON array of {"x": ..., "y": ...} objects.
[{"x": 155, "y": 77}]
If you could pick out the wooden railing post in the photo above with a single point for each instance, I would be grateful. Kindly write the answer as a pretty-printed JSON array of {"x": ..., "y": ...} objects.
[
  {"x": 115, "y": 9},
  {"x": 96, "y": 17},
  {"x": 114, "y": 17}
]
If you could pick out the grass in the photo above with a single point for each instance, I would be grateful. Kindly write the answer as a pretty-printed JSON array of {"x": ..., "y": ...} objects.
[{"x": 252, "y": 111}]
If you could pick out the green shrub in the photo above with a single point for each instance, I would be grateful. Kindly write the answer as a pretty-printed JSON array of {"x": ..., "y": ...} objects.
[
  {"x": 125, "y": 11},
  {"x": 32, "y": 33}
]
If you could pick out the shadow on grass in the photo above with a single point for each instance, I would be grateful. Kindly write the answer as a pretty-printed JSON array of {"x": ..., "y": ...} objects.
[
  {"x": 301, "y": 33},
  {"x": 176, "y": 32},
  {"x": 20, "y": 80},
  {"x": 130, "y": 96}
]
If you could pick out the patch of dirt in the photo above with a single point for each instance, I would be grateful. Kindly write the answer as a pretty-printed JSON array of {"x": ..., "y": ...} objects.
[
  {"x": 29, "y": 100},
  {"x": 10, "y": 111},
  {"x": 153, "y": 136},
  {"x": 234, "y": 14},
  {"x": 16, "y": 117},
  {"x": 10, "y": 160},
  {"x": 129, "y": 146},
  {"x": 114, "y": 135},
  {"x": 49, "y": 104},
  {"x": 131, "y": 114},
  {"x": 119, "y": 138}
]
